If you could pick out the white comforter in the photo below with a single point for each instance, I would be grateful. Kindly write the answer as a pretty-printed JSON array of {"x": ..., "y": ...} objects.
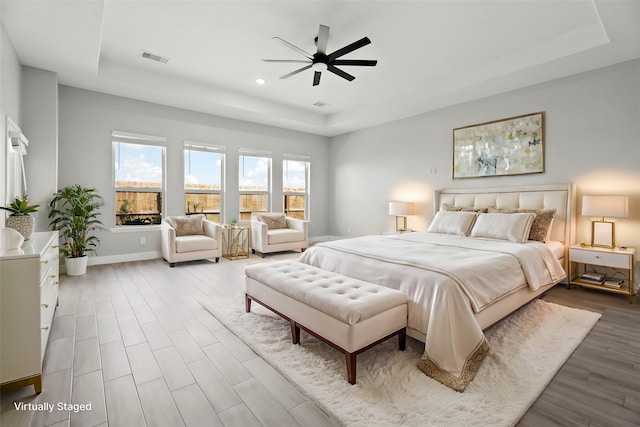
[{"x": 447, "y": 279}]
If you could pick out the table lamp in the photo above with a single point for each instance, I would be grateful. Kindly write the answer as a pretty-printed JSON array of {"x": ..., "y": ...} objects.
[
  {"x": 603, "y": 231},
  {"x": 401, "y": 210}
]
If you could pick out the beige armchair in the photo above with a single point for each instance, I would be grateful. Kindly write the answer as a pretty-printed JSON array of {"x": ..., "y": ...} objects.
[
  {"x": 188, "y": 238},
  {"x": 275, "y": 232}
]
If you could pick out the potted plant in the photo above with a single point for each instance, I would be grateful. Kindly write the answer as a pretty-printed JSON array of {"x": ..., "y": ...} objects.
[
  {"x": 74, "y": 212},
  {"x": 20, "y": 220}
]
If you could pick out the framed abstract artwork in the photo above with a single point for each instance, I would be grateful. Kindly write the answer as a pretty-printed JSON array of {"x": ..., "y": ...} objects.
[{"x": 512, "y": 146}]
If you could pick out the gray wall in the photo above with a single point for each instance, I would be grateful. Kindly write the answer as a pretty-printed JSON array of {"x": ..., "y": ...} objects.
[
  {"x": 10, "y": 85},
  {"x": 86, "y": 120},
  {"x": 40, "y": 125},
  {"x": 591, "y": 139}
]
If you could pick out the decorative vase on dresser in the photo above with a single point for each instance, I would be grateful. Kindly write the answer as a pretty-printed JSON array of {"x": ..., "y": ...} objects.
[
  {"x": 23, "y": 224},
  {"x": 28, "y": 298},
  {"x": 20, "y": 220}
]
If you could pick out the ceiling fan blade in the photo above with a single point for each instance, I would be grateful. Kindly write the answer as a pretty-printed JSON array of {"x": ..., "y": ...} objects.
[
  {"x": 294, "y": 47},
  {"x": 323, "y": 39},
  {"x": 300, "y": 61},
  {"x": 316, "y": 78},
  {"x": 299, "y": 70},
  {"x": 340, "y": 73},
  {"x": 360, "y": 62},
  {"x": 349, "y": 48}
]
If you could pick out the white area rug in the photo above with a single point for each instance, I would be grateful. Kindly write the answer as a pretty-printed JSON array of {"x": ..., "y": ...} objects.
[{"x": 527, "y": 349}]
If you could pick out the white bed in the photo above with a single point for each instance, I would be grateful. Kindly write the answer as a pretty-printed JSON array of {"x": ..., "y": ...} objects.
[
  {"x": 446, "y": 313},
  {"x": 560, "y": 197}
]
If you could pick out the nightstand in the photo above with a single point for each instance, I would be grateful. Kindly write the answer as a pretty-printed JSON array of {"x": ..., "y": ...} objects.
[{"x": 615, "y": 264}]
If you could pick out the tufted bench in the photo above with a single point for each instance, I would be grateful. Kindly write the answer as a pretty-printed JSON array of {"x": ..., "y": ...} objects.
[{"x": 348, "y": 314}]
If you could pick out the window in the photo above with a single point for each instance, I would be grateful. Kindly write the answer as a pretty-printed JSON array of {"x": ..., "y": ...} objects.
[
  {"x": 255, "y": 184},
  {"x": 295, "y": 187},
  {"x": 203, "y": 174},
  {"x": 139, "y": 178}
]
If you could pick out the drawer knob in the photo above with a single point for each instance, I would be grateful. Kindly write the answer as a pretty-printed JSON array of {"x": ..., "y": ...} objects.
[
  {"x": 45, "y": 305},
  {"x": 597, "y": 256},
  {"x": 46, "y": 328}
]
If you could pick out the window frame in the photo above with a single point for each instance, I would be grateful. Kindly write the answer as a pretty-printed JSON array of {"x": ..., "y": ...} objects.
[
  {"x": 118, "y": 137},
  {"x": 243, "y": 152},
  {"x": 189, "y": 146},
  {"x": 307, "y": 178}
]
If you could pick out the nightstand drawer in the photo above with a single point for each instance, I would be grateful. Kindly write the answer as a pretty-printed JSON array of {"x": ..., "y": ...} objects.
[{"x": 620, "y": 260}]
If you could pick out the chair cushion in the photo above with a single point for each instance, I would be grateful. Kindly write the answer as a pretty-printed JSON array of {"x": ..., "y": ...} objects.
[
  {"x": 195, "y": 242},
  {"x": 274, "y": 221},
  {"x": 284, "y": 235},
  {"x": 187, "y": 225}
]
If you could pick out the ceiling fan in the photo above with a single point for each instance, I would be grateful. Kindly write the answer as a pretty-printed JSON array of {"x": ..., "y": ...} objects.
[{"x": 321, "y": 61}]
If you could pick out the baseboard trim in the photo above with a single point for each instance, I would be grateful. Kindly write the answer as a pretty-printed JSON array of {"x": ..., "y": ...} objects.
[{"x": 112, "y": 259}]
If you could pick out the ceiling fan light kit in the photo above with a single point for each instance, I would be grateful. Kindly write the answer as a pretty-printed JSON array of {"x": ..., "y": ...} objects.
[{"x": 321, "y": 61}]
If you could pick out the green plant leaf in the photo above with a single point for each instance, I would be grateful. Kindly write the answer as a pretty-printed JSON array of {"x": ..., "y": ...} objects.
[{"x": 74, "y": 212}]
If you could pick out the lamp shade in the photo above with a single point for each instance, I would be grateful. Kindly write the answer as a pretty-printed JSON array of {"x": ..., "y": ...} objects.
[
  {"x": 401, "y": 208},
  {"x": 605, "y": 206}
]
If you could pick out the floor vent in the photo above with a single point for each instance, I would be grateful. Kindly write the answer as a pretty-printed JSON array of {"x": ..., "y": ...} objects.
[{"x": 154, "y": 57}]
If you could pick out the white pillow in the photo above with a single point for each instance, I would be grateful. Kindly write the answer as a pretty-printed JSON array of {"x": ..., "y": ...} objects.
[
  {"x": 513, "y": 227},
  {"x": 452, "y": 222}
]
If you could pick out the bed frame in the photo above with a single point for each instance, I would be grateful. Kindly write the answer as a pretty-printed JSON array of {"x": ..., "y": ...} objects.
[{"x": 560, "y": 197}]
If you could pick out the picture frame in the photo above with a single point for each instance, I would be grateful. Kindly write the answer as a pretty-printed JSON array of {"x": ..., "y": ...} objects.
[{"x": 511, "y": 146}]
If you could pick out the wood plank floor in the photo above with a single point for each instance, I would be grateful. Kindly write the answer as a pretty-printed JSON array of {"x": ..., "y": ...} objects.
[
  {"x": 600, "y": 383},
  {"x": 133, "y": 340}
]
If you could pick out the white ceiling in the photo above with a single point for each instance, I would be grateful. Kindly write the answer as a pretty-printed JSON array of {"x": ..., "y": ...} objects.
[{"x": 431, "y": 54}]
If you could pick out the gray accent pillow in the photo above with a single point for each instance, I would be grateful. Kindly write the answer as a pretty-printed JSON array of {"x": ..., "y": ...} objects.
[
  {"x": 274, "y": 221},
  {"x": 452, "y": 208},
  {"x": 187, "y": 225}
]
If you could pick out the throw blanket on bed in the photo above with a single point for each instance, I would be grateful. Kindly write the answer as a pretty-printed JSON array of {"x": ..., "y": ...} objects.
[{"x": 447, "y": 279}]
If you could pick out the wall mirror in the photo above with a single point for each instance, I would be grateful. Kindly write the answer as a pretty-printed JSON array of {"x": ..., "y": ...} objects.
[{"x": 16, "y": 148}]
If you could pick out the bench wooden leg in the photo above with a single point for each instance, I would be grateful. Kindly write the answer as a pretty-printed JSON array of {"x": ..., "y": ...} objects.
[
  {"x": 402, "y": 339},
  {"x": 295, "y": 332},
  {"x": 351, "y": 367},
  {"x": 247, "y": 303}
]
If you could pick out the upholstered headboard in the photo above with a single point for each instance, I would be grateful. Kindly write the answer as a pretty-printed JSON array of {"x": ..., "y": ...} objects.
[{"x": 560, "y": 197}]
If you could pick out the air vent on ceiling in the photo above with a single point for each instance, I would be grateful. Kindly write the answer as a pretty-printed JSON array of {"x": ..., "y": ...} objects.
[
  {"x": 154, "y": 57},
  {"x": 320, "y": 104}
]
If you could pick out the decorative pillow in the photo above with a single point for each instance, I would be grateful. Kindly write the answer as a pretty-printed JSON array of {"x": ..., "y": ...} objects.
[
  {"x": 512, "y": 227},
  {"x": 274, "y": 221},
  {"x": 452, "y": 208},
  {"x": 187, "y": 225},
  {"x": 541, "y": 224},
  {"x": 456, "y": 222}
]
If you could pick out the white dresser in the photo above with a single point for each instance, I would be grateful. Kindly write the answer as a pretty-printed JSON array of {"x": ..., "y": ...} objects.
[{"x": 29, "y": 295}]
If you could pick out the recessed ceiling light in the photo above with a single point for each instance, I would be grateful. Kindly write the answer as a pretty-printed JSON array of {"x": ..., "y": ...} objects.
[{"x": 261, "y": 81}]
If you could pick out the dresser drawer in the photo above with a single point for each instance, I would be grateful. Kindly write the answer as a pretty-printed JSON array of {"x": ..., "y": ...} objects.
[
  {"x": 620, "y": 260},
  {"x": 49, "y": 263},
  {"x": 49, "y": 291}
]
